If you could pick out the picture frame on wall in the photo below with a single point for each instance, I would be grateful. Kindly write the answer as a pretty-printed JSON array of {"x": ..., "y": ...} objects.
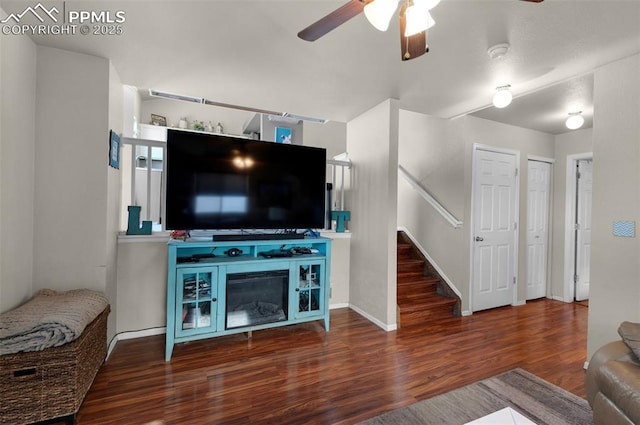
[
  {"x": 114, "y": 149},
  {"x": 158, "y": 120},
  {"x": 283, "y": 135}
]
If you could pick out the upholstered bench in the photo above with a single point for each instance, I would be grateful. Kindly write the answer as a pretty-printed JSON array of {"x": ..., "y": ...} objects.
[{"x": 51, "y": 383}]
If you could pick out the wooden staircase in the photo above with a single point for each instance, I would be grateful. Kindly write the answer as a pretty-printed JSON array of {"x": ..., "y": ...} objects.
[{"x": 422, "y": 295}]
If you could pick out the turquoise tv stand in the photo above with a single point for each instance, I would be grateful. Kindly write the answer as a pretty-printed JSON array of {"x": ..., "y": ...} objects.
[{"x": 229, "y": 287}]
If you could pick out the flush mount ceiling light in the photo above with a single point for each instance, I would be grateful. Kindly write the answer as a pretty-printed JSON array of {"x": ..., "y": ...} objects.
[
  {"x": 502, "y": 97},
  {"x": 575, "y": 120}
]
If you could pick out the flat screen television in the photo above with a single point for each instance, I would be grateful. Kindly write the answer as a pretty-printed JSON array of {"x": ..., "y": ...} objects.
[{"x": 222, "y": 182}]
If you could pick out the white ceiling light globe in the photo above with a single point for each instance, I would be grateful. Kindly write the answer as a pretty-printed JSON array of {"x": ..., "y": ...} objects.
[
  {"x": 418, "y": 19},
  {"x": 575, "y": 121},
  {"x": 502, "y": 97},
  {"x": 380, "y": 12}
]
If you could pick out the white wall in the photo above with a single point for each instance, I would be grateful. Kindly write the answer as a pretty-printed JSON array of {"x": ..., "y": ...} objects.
[
  {"x": 17, "y": 145},
  {"x": 570, "y": 143},
  {"x": 372, "y": 143},
  {"x": 615, "y": 261},
  {"x": 131, "y": 108},
  {"x": 332, "y": 136},
  {"x": 142, "y": 285},
  {"x": 340, "y": 269},
  {"x": 71, "y": 179}
]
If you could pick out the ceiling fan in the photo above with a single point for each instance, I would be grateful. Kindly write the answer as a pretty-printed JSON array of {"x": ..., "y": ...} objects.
[{"x": 413, "y": 15}]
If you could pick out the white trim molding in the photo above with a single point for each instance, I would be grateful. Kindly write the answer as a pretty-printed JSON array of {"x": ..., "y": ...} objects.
[
  {"x": 430, "y": 199},
  {"x": 133, "y": 335},
  {"x": 541, "y": 159},
  {"x": 385, "y": 327},
  {"x": 569, "y": 223}
]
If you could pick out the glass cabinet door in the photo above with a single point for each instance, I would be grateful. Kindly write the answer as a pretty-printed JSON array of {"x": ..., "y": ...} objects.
[
  {"x": 309, "y": 288},
  {"x": 196, "y": 300}
]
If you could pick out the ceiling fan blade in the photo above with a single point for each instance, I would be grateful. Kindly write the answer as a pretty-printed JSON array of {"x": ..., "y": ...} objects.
[
  {"x": 415, "y": 45},
  {"x": 333, "y": 20}
]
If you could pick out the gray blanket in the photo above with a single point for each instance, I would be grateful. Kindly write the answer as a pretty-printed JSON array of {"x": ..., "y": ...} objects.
[{"x": 49, "y": 319}]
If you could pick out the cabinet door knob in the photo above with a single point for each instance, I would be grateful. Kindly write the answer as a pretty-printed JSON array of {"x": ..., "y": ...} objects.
[
  {"x": 214, "y": 299},
  {"x": 297, "y": 289}
]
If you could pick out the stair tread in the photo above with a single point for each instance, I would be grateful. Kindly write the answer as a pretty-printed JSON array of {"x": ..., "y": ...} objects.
[
  {"x": 428, "y": 297},
  {"x": 417, "y": 295},
  {"x": 416, "y": 279},
  {"x": 410, "y": 260},
  {"x": 430, "y": 304},
  {"x": 416, "y": 276}
]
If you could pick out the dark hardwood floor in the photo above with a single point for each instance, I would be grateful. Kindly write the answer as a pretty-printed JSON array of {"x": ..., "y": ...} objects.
[{"x": 302, "y": 375}]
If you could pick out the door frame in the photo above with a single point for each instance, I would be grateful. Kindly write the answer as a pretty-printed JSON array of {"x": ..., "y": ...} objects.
[
  {"x": 569, "y": 221},
  {"x": 481, "y": 147},
  {"x": 551, "y": 162}
]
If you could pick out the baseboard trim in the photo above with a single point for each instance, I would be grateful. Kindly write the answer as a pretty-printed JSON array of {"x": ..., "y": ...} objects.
[
  {"x": 585, "y": 365},
  {"x": 133, "y": 335},
  {"x": 385, "y": 327},
  {"x": 163, "y": 330}
]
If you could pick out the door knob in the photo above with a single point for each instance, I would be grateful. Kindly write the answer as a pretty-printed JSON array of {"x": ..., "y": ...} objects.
[{"x": 479, "y": 239}]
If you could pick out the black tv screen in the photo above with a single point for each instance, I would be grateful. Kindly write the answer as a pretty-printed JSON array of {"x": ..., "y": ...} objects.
[{"x": 223, "y": 182}]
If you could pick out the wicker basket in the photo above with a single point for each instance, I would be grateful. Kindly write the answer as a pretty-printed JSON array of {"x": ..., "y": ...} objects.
[{"x": 41, "y": 385}]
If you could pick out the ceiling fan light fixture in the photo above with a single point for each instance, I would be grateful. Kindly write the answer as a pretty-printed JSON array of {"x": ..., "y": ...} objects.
[
  {"x": 379, "y": 13},
  {"x": 418, "y": 19},
  {"x": 575, "y": 120},
  {"x": 427, "y": 4},
  {"x": 502, "y": 97}
]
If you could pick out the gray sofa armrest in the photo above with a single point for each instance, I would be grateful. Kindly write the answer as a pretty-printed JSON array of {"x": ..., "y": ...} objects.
[{"x": 616, "y": 350}]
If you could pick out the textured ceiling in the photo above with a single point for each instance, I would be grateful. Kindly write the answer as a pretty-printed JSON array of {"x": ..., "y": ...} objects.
[{"x": 247, "y": 53}]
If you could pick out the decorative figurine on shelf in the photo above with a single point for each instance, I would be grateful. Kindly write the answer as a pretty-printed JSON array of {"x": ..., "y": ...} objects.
[
  {"x": 183, "y": 123},
  {"x": 341, "y": 218},
  {"x": 209, "y": 127},
  {"x": 181, "y": 235},
  {"x": 219, "y": 128},
  {"x": 133, "y": 227}
]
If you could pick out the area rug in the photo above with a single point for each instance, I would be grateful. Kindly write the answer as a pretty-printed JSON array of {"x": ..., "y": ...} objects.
[{"x": 538, "y": 400}]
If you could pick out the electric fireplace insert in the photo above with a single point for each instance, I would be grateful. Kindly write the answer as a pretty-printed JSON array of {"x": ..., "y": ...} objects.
[{"x": 256, "y": 298}]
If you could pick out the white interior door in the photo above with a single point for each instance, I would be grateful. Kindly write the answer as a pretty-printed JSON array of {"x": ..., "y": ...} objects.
[
  {"x": 538, "y": 188},
  {"x": 494, "y": 218},
  {"x": 583, "y": 228}
]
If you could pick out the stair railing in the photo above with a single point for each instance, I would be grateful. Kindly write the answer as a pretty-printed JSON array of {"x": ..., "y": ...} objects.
[{"x": 430, "y": 199}]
